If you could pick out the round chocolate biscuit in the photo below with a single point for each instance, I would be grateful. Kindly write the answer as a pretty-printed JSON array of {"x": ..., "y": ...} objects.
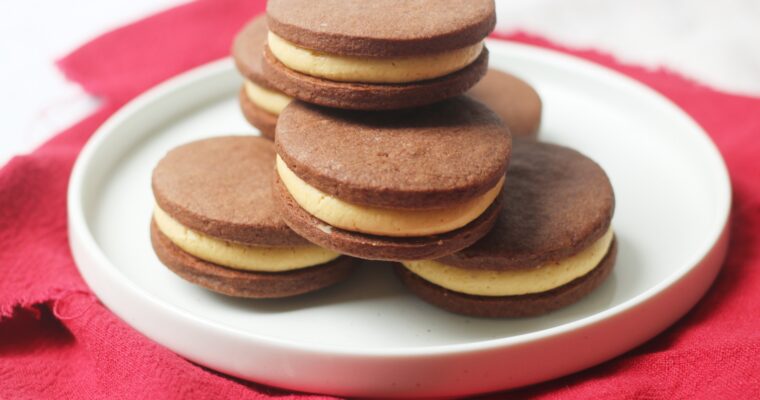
[
  {"x": 429, "y": 157},
  {"x": 368, "y": 96},
  {"x": 251, "y": 284},
  {"x": 247, "y": 50},
  {"x": 557, "y": 203},
  {"x": 222, "y": 187},
  {"x": 510, "y": 306},
  {"x": 262, "y": 119},
  {"x": 513, "y": 99},
  {"x": 374, "y": 247},
  {"x": 382, "y": 28}
]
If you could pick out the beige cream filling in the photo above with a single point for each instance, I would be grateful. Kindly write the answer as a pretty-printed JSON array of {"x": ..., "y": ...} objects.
[
  {"x": 269, "y": 100},
  {"x": 382, "y": 221},
  {"x": 513, "y": 282},
  {"x": 371, "y": 69},
  {"x": 238, "y": 256}
]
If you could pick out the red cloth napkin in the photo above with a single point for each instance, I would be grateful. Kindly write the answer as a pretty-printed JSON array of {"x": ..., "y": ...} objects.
[{"x": 58, "y": 341}]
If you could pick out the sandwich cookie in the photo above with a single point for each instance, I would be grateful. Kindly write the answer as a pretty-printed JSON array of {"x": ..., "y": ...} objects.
[
  {"x": 513, "y": 99},
  {"x": 215, "y": 223},
  {"x": 259, "y": 101},
  {"x": 346, "y": 54},
  {"x": 404, "y": 185},
  {"x": 551, "y": 245}
]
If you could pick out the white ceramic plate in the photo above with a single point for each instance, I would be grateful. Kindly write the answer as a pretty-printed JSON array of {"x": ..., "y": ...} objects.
[{"x": 368, "y": 336}]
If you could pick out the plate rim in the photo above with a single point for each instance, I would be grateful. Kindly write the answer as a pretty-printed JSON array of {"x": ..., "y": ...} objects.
[{"x": 79, "y": 229}]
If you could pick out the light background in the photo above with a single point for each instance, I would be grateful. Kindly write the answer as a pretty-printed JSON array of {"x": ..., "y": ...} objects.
[{"x": 715, "y": 42}]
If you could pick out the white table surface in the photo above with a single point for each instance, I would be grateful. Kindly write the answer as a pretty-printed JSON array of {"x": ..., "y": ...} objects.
[{"x": 717, "y": 43}]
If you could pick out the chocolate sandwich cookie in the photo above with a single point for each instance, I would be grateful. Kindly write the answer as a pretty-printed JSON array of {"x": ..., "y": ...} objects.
[
  {"x": 513, "y": 99},
  {"x": 346, "y": 54},
  {"x": 259, "y": 101},
  {"x": 391, "y": 185},
  {"x": 216, "y": 224},
  {"x": 551, "y": 245}
]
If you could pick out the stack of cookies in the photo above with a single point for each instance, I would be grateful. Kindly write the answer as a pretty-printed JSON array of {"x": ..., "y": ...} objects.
[{"x": 392, "y": 141}]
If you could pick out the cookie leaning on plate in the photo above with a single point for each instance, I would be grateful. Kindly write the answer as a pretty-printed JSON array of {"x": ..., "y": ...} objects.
[
  {"x": 216, "y": 225},
  {"x": 350, "y": 55},
  {"x": 259, "y": 101},
  {"x": 514, "y": 100},
  {"x": 552, "y": 243},
  {"x": 394, "y": 185}
]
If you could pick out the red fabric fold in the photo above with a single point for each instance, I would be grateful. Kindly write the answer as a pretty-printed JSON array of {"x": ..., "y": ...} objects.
[
  {"x": 123, "y": 63},
  {"x": 58, "y": 341}
]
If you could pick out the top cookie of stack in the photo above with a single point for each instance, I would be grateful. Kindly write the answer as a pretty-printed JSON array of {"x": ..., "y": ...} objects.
[{"x": 377, "y": 55}]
